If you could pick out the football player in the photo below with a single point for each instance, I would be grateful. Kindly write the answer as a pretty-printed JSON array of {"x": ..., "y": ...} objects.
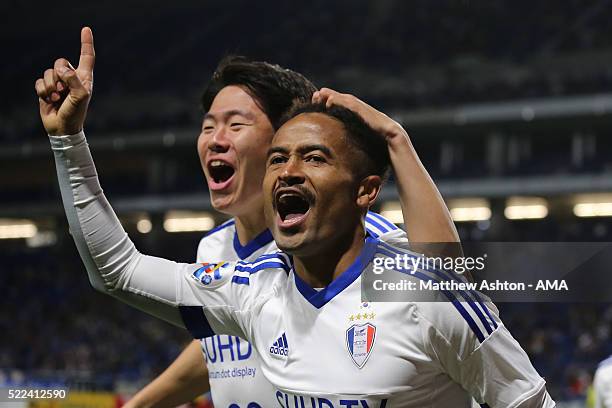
[
  {"x": 301, "y": 308},
  {"x": 243, "y": 102}
]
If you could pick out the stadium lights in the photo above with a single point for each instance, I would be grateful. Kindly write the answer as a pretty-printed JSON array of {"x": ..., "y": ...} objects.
[
  {"x": 526, "y": 208},
  {"x": 392, "y": 211},
  {"x": 16, "y": 229},
  {"x": 469, "y": 209},
  {"x": 188, "y": 221},
  {"x": 144, "y": 225},
  {"x": 42, "y": 239},
  {"x": 593, "y": 205},
  {"x": 593, "y": 210}
]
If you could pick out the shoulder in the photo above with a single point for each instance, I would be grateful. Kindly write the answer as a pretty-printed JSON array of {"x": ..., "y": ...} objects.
[
  {"x": 262, "y": 274},
  {"x": 452, "y": 305},
  {"x": 377, "y": 225},
  {"x": 245, "y": 272},
  {"x": 228, "y": 226},
  {"x": 216, "y": 240},
  {"x": 464, "y": 325}
]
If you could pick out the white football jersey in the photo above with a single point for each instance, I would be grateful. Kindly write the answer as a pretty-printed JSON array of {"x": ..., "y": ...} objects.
[
  {"x": 235, "y": 375},
  {"x": 326, "y": 348},
  {"x": 602, "y": 384}
]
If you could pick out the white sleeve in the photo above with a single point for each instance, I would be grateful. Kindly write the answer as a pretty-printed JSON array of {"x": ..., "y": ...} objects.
[
  {"x": 482, "y": 356},
  {"x": 163, "y": 288}
]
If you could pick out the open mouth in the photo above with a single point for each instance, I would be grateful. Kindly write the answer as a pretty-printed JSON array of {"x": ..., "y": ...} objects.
[
  {"x": 220, "y": 173},
  {"x": 292, "y": 207}
]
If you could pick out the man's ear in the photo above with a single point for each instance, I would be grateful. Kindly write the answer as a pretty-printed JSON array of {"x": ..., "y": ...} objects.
[{"x": 368, "y": 191}]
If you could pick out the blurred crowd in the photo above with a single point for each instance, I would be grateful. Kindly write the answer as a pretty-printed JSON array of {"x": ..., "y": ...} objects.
[
  {"x": 396, "y": 55},
  {"x": 56, "y": 328}
]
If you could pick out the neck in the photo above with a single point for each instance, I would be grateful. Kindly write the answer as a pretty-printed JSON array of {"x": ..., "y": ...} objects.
[
  {"x": 321, "y": 269},
  {"x": 249, "y": 226}
]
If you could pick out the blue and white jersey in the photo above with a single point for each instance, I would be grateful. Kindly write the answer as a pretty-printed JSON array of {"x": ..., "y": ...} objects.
[
  {"x": 233, "y": 366},
  {"x": 602, "y": 384},
  {"x": 234, "y": 369},
  {"x": 328, "y": 349}
]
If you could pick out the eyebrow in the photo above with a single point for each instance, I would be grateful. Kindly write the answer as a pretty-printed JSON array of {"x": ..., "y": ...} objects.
[
  {"x": 230, "y": 113},
  {"x": 302, "y": 149}
]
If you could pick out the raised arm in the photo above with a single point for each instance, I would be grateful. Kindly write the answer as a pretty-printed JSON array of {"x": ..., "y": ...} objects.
[
  {"x": 113, "y": 264},
  {"x": 426, "y": 217},
  {"x": 109, "y": 256},
  {"x": 157, "y": 286}
]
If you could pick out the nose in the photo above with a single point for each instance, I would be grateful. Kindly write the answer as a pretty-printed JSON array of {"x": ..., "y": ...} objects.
[
  {"x": 219, "y": 142},
  {"x": 292, "y": 173}
]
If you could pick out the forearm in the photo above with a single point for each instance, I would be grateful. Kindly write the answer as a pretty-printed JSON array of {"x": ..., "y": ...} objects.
[
  {"x": 112, "y": 262},
  {"x": 426, "y": 217},
  {"x": 184, "y": 380}
]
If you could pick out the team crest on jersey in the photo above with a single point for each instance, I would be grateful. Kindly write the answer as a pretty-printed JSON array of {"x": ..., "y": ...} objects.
[
  {"x": 209, "y": 272},
  {"x": 360, "y": 341}
]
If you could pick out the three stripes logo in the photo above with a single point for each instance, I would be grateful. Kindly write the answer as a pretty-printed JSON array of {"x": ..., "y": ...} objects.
[{"x": 280, "y": 348}]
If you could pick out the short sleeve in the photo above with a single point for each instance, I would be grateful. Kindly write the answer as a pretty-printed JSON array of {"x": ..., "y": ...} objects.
[
  {"x": 483, "y": 358},
  {"x": 212, "y": 302}
]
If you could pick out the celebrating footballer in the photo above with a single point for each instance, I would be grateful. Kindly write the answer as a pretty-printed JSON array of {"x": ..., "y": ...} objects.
[{"x": 314, "y": 175}]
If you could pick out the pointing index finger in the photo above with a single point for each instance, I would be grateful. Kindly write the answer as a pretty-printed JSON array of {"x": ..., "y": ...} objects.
[{"x": 88, "y": 54}]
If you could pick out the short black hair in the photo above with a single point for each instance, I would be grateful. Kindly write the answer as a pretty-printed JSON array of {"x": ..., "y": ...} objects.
[
  {"x": 274, "y": 88},
  {"x": 370, "y": 143}
]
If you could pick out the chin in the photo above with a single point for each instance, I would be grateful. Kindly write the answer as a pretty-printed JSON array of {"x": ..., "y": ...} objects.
[
  {"x": 289, "y": 244},
  {"x": 296, "y": 245},
  {"x": 222, "y": 203}
]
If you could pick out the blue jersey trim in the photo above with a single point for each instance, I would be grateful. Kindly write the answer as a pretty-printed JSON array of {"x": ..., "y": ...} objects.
[
  {"x": 373, "y": 223},
  {"x": 463, "y": 294},
  {"x": 266, "y": 265},
  {"x": 444, "y": 275},
  {"x": 458, "y": 306},
  {"x": 270, "y": 261},
  {"x": 390, "y": 252},
  {"x": 319, "y": 298},
  {"x": 240, "y": 280},
  {"x": 390, "y": 226},
  {"x": 261, "y": 240},
  {"x": 219, "y": 227},
  {"x": 196, "y": 322}
]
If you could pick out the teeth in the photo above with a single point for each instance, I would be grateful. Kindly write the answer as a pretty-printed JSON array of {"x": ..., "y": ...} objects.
[
  {"x": 217, "y": 163},
  {"x": 286, "y": 195}
]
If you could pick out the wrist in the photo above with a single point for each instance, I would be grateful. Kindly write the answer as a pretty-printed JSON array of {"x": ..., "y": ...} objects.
[
  {"x": 395, "y": 134},
  {"x": 399, "y": 141},
  {"x": 69, "y": 128}
]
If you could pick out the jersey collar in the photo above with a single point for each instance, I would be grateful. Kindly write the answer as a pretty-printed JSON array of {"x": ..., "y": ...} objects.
[
  {"x": 261, "y": 240},
  {"x": 319, "y": 298}
]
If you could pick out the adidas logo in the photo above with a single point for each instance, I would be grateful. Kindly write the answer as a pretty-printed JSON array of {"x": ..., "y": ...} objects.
[{"x": 280, "y": 347}]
